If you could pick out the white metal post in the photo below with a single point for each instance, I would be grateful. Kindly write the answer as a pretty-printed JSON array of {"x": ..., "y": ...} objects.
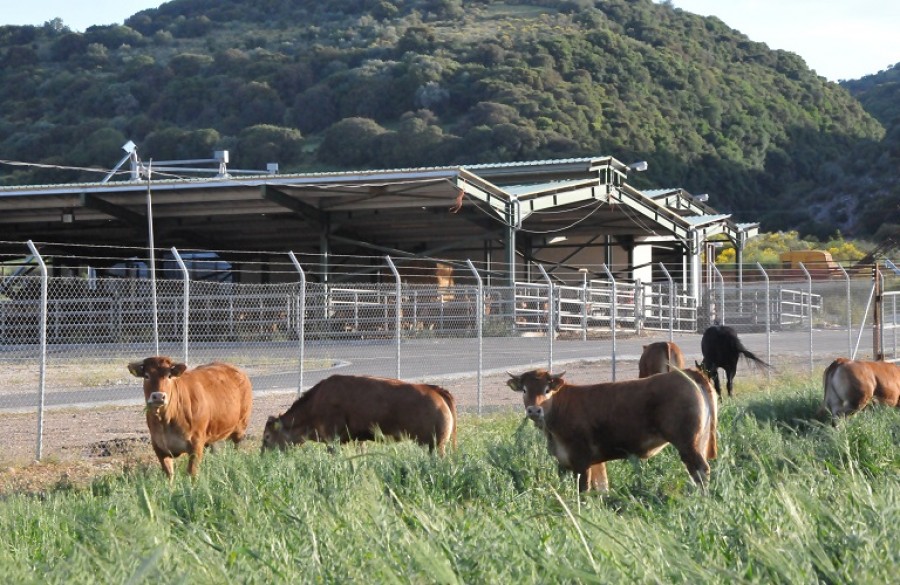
[
  {"x": 862, "y": 323},
  {"x": 671, "y": 301},
  {"x": 768, "y": 323},
  {"x": 153, "y": 303},
  {"x": 881, "y": 315},
  {"x": 550, "y": 312},
  {"x": 185, "y": 302},
  {"x": 584, "y": 303},
  {"x": 479, "y": 321},
  {"x": 849, "y": 315},
  {"x": 720, "y": 310},
  {"x": 638, "y": 307},
  {"x": 809, "y": 310},
  {"x": 42, "y": 376},
  {"x": 301, "y": 319},
  {"x": 612, "y": 319},
  {"x": 397, "y": 314}
]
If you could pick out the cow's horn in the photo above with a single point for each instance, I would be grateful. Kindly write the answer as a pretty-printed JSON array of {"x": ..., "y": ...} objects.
[{"x": 510, "y": 374}]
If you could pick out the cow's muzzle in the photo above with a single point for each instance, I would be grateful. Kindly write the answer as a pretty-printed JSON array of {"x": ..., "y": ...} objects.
[
  {"x": 536, "y": 414},
  {"x": 157, "y": 399}
]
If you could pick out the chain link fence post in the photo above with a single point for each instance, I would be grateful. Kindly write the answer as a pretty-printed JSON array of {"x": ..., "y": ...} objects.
[
  {"x": 42, "y": 376},
  {"x": 584, "y": 303},
  {"x": 301, "y": 319},
  {"x": 768, "y": 322},
  {"x": 638, "y": 307},
  {"x": 809, "y": 310},
  {"x": 671, "y": 301},
  {"x": 849, "y": 313},
  {"x": 550, "y": 313},
  {"x": 398, "y": 313},
  {"x": 479, "y": 332},
  {"x": 613, "y": 317},
  {"x": 720, "y": 305},
  {"x": 185, "y": 319}
]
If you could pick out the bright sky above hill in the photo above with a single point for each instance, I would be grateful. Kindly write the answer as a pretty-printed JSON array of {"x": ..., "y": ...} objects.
[{"x": 838, "y": 39}]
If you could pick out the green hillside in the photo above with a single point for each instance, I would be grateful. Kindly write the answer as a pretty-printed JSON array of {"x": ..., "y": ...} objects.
[
  {"x": 330, "y": 84},
  {"x": 879, "y": 210}
]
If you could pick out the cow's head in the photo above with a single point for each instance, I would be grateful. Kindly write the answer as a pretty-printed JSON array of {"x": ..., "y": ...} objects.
[
  {"x": 705, "y": 369},
  {"x": 274, "y": 435},
  {"x": 536, "y": 386},
  {"x": 157, "y": 373}
]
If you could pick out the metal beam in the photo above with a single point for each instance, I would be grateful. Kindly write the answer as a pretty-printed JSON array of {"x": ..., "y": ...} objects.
[
  {"x": 305, "y": 210},
  {"x": 130, "y": 217}
]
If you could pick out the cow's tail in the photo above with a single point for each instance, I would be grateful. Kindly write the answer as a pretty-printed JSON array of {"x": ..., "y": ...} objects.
[
  {"x": 750, "y": 355},
  {"x": 451, "y": 404},
  {"x": 828, "y": 387},
  {"x": 703, "y": 386}
]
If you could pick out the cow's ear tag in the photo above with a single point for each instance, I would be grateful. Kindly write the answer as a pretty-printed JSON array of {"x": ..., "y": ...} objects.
[{"x": 277, "y": 425}]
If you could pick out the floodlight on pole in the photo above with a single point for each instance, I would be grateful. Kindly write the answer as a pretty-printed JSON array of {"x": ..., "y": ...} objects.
[
  {"x": 130, "y": 149},
  {"x": 702, "y": 197}
]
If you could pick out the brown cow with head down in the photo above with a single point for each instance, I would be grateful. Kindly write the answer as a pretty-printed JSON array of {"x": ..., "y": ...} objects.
[
  {"x": 189, "y": 409},
  {"x": 357, "y": 408},
  {"x": 660, "y": 357},
  {"x": 586, "y": 426},
  {"x": 851, "y": 384}
]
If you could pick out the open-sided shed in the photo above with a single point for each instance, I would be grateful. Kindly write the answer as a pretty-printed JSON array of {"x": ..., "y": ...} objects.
[{"x": 564, "y": 213}]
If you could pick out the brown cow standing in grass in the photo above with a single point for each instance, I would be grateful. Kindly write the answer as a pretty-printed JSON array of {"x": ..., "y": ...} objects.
[
  {"x": 660, "y": 357},
  {"x": 851, "y": 384},
  {"x": 189, "y": 409},
  {"x": 586, "y": 426},
  {"x": 358, "y": 408}
]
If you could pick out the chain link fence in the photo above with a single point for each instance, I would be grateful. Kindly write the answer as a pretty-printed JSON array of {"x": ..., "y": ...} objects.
[{"x": 66, "y": 340}]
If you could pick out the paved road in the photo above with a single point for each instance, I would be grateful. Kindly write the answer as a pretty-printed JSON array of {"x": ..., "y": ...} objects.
[{"x": 448, "y": 358}]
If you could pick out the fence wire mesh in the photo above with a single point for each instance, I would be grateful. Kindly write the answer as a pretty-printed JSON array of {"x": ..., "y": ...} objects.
[{"x": 363, "y": 320}]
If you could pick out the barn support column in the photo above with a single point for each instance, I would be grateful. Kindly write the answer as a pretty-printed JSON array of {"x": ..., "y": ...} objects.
[
  {"x": 509, "y": 253},
  {"x": 510, "y": 243}
]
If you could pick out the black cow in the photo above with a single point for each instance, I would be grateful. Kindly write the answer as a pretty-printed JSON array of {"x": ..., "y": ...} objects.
[{"x": 722, "y": 349}]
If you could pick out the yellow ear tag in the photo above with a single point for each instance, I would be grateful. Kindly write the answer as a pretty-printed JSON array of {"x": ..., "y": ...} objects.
[{"x": 277, "y": 425}]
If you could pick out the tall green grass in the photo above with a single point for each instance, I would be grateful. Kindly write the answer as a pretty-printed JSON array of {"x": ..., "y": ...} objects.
[{"x": 791, "y": 500}]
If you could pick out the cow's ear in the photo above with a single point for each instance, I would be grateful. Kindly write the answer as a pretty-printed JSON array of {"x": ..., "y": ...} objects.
[
  {"x": 177, "y": 369},
  {"x": 556, "y": 381},
  {"x": 136, "y": 369},
  {"x": 514, "y": 382}
]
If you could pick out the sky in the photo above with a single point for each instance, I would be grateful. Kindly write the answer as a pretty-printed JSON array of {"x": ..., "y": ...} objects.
[{"x": 837, "y": 39}]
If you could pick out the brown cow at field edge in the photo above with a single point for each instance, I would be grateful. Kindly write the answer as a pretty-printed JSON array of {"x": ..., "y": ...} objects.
[
  {"x": 851, "y": 384},
  {"x": 586, "y": 426},
  {"x": 349, "y": 408},
  {"x": 660, "y": 357},
  {"x": 189, "y": 409}
]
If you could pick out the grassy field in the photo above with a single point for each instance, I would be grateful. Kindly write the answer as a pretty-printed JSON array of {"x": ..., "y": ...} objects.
[{"x": 791, "y": 500}]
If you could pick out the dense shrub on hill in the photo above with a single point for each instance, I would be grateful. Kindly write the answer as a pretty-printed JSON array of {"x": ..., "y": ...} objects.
[{"x": 452, "y": 81}]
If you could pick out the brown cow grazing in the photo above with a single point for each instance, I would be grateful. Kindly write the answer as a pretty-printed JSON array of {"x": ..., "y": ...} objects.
[
  {"x": 851, "y": 384},
  {"x": 357, "y": 408},
  {"x": 659, "y": 358},
  {"x": 586, "y": 426},
  {"x": 189, "y": 409}
]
